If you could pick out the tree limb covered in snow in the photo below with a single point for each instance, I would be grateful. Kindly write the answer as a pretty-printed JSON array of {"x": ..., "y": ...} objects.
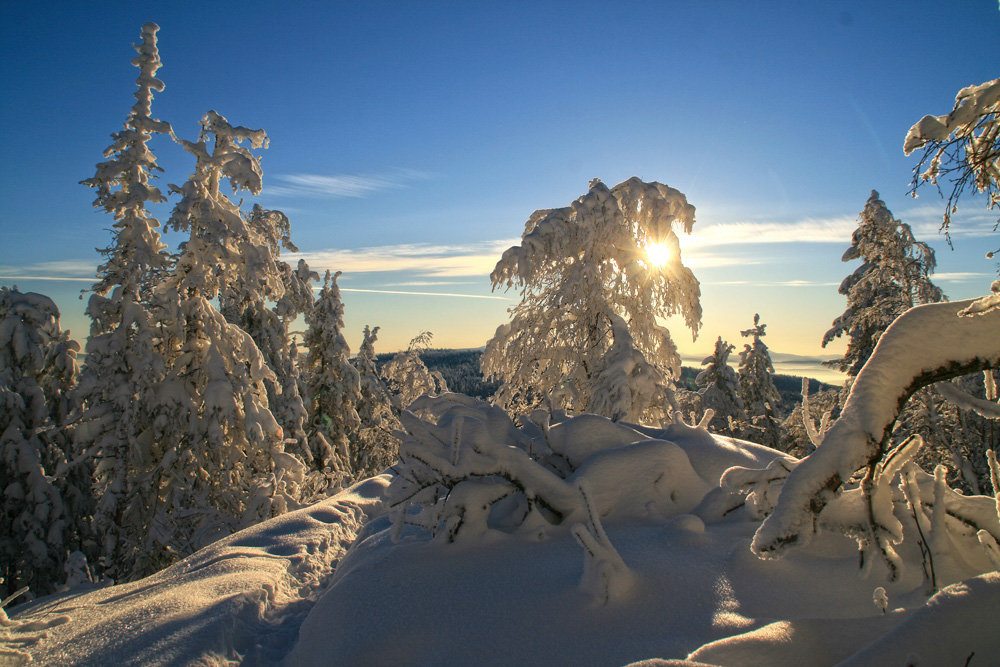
[{"x": 927, "y": 344}]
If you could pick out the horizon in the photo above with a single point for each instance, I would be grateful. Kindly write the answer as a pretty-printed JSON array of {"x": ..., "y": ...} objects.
[{"x": 413, "y": 145}]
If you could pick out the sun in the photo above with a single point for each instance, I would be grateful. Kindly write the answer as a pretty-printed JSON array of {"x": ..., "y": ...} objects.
[{"x": 658, "y": 254}]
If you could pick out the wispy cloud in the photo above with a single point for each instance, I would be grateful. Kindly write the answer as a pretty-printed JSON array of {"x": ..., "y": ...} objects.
[
  {"x": 342, "y": 185},
  {"x": 71, "y": 270},
  {"x": 778, "y": 283},
  {"x": 960, "y": 276},
  {"x": 423, "y": 259},
  {"x": 409, "y": 293},
  {"x": 429, "y": 283},
  {"x": 971, "y": 220},
  {"x": 809, "y": 230}
]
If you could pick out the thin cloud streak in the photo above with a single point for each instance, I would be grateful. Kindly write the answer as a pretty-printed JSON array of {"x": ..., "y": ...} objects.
[
  {"x": 432, "y": 261},
  {"x": 960, "y": 276},
  {"x": 342, "y": 185},
  {"x": 67, "y": 270},
  {"x": 832, "y": 230},
  {"x": 52, "y": 278},
  {"x": 781, "y": 283},
  {"x": 448, "y": 294}
]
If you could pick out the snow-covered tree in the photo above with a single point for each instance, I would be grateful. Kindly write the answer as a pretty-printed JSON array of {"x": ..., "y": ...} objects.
[
  {"x": 408, "y": 378},
  {"x": 247, "y": 307},
  {"x": 760, "y": 397},
  {"x": 123, "y": 362},
  {"x": 612, "y": 253},
  {"x": 894, "y": 276},
  {"x": 720, "y": 390},
  {"x": 37, "y": 367},
  {"x": 220, "y": 464},
  {"x": 333, "y": 385},
  {"x": 377, "y": 447},
  {"x": 962, "y": 147}
]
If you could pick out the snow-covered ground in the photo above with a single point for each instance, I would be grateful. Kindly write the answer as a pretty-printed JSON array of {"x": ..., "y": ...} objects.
[{"x": 329, "y": 584}]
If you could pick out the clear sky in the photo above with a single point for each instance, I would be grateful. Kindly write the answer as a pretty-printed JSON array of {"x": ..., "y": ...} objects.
[{"x": 411, "y": 140}]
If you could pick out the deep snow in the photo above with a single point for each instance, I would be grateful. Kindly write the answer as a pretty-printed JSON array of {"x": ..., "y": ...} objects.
[{"x": 318, "y": 587}]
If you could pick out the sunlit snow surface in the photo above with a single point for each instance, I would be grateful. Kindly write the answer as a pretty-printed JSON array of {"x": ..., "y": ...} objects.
[{"x": 314, "y": 588}]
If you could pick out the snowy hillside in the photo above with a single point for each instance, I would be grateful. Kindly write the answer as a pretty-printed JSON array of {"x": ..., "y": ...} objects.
[{"x": 672, "y": 577}]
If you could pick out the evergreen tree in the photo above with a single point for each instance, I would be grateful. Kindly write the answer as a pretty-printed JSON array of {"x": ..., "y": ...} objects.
[
  {"x": 37, "y": 368},
  {"x": 221, "y": 463},
  {"x": 247, "y": 307},
  {"x": 124, "y": 363},
  {"x": 611, "y": 254},
  {"x": 333, "y": 386},
  {"x": 376, "y": 446},
  {"x": 894, "y": 276},
  {"x": 720, "y": 390},
  {"x": 408, "y": 378},
  {"x": 760, "y": 397}
]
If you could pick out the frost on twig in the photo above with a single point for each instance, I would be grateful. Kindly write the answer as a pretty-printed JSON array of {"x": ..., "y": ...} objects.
[
  {"x": 605, "y": 575},
  {"x": 903, "y": 362}
]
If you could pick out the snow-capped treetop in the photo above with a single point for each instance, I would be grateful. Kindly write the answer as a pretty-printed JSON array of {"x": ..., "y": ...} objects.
[
  {"x": 408, "y": 378},
  {"x": 606, "y": 232},
  {"x": 963, "y": 145},
  {"x": 123, "y": 183},
  {"x": 721, "y": 386},
  {"x": 760, "y": 397},
  {"x": 334, "y": 386},
  {"x": 579, "y": 267},
  {"x": 30, "y": 337},
  {"x": 226, "y": 247},
  {"x": 893, "y": 277}
]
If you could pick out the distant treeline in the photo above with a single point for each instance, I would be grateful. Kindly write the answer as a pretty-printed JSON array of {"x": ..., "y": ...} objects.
[{"x": 460, "y": 369}]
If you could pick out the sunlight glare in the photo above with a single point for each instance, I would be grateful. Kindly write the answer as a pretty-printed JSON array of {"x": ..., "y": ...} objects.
[{"x": 658, "y": 253}]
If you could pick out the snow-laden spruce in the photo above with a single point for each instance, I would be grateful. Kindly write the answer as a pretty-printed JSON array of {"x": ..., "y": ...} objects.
[
  {"x": 124, "y": 363},
  {"x": 408, "y": 378},
  {"x": 333, "y": 388},
  {"x": 593, "y": 277},
  {"x": 221, "y": 463},
  {"x": 376, "y": 446},
  {"x": 929, "y": 343},
  {"x": 893, "y": 277},
  {"x": 37, "y": 368},
  {"x": 245, "y": 303},
  {"x": 760, "y": 397},
  {"x": 720, "y": 390}
]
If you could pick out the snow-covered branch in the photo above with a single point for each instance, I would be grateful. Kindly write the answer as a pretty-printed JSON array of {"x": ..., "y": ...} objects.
[{"x": 927, "y": 344}]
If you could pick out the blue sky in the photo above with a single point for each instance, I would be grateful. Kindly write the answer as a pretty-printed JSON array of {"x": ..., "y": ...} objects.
[{"x": 411, "y": 140}]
